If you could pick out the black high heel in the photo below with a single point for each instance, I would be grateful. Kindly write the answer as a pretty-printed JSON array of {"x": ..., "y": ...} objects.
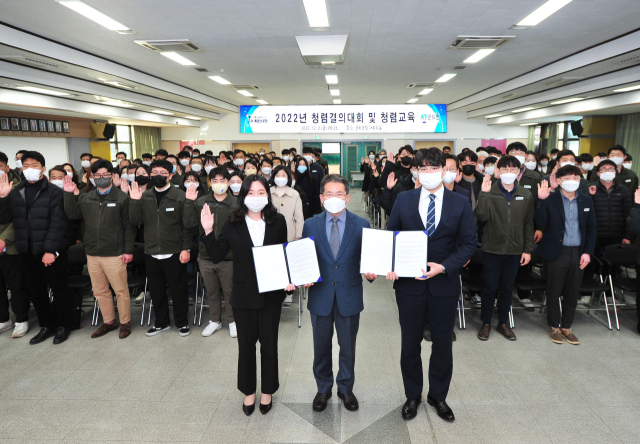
[
  {"x": 264, "y": 408},
  {"x": 248, "y": 409}
]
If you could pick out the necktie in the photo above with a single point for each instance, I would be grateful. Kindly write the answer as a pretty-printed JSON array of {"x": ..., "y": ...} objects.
[
  {"x": 334, "y": 238},
  {"x": 431, "y": 215}
]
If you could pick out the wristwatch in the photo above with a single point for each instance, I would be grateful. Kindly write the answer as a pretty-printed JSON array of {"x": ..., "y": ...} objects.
[{"x": 443, "y": 270}]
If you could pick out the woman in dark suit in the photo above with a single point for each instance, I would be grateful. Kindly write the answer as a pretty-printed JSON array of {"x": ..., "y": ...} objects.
[{"x": 254, "y": 223}]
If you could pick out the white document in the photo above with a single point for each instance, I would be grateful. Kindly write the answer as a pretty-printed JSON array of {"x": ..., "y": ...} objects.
[
  {"x": 411, "y": 253},
  {"x": 271, "y": 268},
  {"x": 377, "y": 252},
  {"x": 303, "y": 261}
]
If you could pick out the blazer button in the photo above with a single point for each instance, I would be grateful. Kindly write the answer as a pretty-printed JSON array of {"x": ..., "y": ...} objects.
[
  {"x": 335, "y": 266},
  {"x": 332, "y": 283}
]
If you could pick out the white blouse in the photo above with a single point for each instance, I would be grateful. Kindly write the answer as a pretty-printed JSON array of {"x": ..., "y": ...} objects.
[{"x": 256, "y": 230}]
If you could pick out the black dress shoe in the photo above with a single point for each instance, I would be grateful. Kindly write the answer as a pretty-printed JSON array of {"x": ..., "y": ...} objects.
[
  {"x": 248, "y": 409},
  {"x": 264, "y": 408},
  {"x": 453, "y": 336},
  {"x": 62, "y": 334},
  {"x": 350, "y": 401},
  {"x": 410, "y": 409},
  {"x": 442, "y": 409},
  {"x": 320, "y": 401},
  {"x": 44, "y": 334}
]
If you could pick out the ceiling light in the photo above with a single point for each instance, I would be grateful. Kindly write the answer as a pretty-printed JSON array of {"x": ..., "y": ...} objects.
[
  {"x": 337, "y": 101},
  {"x": 528, "y": 124},
  {"x": 479, "y": 55},
  {"x": 629, "y": 88},
  {"x": 414, "y": 100},
  {"x": 178, "y": 58},
  {"x": 245, "y": 93},
  {"x": 493, "y": 115},
  {"x": 316, "y": 13},
  {"x": 521, "y": 110},
  {"x": 544, "y": 11},
  {"x": 113, "y": 102},
  {"x": 446, "y": 78},
  {"x": 332, "y": 79},
  {"x": 328, "y": 63},
  {"x": 42, "y": 91},
  {"x": 334, "y": 92},
  {"x": 94, "y": 14},
  {"x": 560, "y": 102},
  {"x": 220, "y": 80},
  {"x": 262, "y": 102},
  {"x": 193, "y": 118},
  {"x": 425, "y": 91},
  {"x": 159, "y": 111}
]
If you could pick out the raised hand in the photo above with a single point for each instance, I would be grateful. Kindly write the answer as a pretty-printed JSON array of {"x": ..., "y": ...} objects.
[
  {"x": 362, "y": 160},
  {"x": 391, "y": 158},
  {"x": 637, "y": 196},
  {"x": 391, "y": 180},
  {"x": 69, "y": 185},
  {"x": 553, "y": 181},
  {"x": 206, "y": 219},
  {"x": 116, "y": 180},
  {"x": 486, "y": 184},
  {"x": 496, "y": 173},
  {"x": 5, "y": 186},
  {"x": 125, "y": 186},
  {"x": 543, "y": 190},
  {"x": 191, "y": 194},
  {"x": 459, "y": 176},
  {"x": 135, "y": 193}
]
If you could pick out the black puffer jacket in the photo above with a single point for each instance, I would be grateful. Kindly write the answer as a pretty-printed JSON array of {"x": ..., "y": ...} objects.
[
  {"x": 388, "y": 197},
  {"x": 43, "y": 229},
  {"x": 612, "y": 210}
]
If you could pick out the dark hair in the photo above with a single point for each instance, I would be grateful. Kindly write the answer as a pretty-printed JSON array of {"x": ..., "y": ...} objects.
[
  {"x": 73, "y": 170},
  {"x": 294, "y": 150},
  {"x": 276, "y": 170},
  {"x": 137, "y": 161},
  {"x": 628, "y": 157},
  {"x": 3, "y": 158},
  {"x": 121, "y": 152},
  {"x": 563, "y": 153},
  {"x": 480, "y": 148},
  {"x": 250, "y": 162},
  {"x": 542, "y": 157},
  {"x": 406, "y": 148},
  {"x": 473, "y": 157},
  {"x": 208, "y": 153},
  {"x": 568, "y": 170},
  {"x": 81, "y": 155},
  {"x": 334, "y": 178},
  {"x": 162, "y": 152},
  {"x": 266, "y": 160},
  {"x": 189, "y": 174},
  {"x": 269, "y": 213},
  {"x": 277, "y": 158},
  {"x": 585, "y": 157},
  {"x": 147, "y": 156},
  {"x": 196, "y": 149},
  {"x": 236, "y": 152},
  {"x": 508, "y": 161},
  {"x": 451, "y": 156},
  {"x": 183, "y": 154},
  {"x": 162, "y": 163},
  {"x": 285, "y": 151},
  {"x": 33, "y": 155},
  {"x": 446, "y": 147},
  {"x": 617, "y": 148},
  {"x": 430, "y": 157},
  {"x": 306, "y": 173},
  {"x": 371, "y": 152},
  {"x": 602, "y": 154},
  {"x": 307, "y": 149},
  {"x": 233, "y": 174},
  {"x": 606, "y": 162},
  {"x": 125, "y": 160},
  {"x": 318, "y": 151},
  {"x": 102, "y": 163},
  {"x": 465, "y": 150},
  {"x": 24, "y": 151},
  {"x": 197, "y": 158},
  {"x": 219, "y": 171},
  {"x": 555, "y": 150},
  {"x": 516, "y": 146},
  {"x": 490, "y": 160},
  {"x": 59, "y": 169},
  {"x": 187, "y": 147},
  {"x": 146, "y": 168}
]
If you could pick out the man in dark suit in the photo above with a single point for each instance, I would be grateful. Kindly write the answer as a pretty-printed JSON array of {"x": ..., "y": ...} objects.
[
  {"x": 337, "y": 299},
  {"x": 568, "y": 241},
  {"x": 448, "y": 219},
  {"x": 316, "y": 170}
]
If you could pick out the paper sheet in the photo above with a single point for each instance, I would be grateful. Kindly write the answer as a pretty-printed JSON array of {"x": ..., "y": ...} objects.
[
  {"x": 303, "y": 261},
  {"x": 411, "y": 253},
  {"x": 271, "y": 268},
  {"x": 377, "y": 252}
]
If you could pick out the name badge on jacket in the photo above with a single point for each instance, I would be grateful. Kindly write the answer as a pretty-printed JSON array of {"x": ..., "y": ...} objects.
[
  {"x": 527, "y": 186},
  {"x": 587, "y": 209},
  {"x": 519, "y": 198},
  {"x": 628, "y": 180},
  {"x": 111, "y": 205},
  {"x": 169, "y": 209}
]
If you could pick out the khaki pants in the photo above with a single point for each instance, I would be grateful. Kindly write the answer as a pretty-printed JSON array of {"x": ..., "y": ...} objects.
[
  {"x": 218, "y": 277},
  {"x": 110, "y": 270}
]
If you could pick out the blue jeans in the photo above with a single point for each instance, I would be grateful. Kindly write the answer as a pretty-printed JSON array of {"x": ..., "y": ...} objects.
[{"x": 499, "y": 277}]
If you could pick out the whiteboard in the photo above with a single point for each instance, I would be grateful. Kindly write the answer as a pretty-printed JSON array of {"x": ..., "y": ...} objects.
[{"x": 53, "y": 149}]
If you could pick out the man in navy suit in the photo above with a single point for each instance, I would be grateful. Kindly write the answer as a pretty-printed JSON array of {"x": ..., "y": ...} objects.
[
  {"x": 337, "y": 299},
  {"x": 315, "y": 169},
  {"x": 448, "y": 219},
  {"x": 568, "y": 241}
]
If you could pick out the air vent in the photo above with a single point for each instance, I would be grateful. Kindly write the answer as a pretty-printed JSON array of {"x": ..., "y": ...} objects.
[
  {"x": 479, "y": 42},
  {"x": 563, "y": 81},
  {"x": 461, "y": 67},
  {"x": 30, "y": 61},
  {"x": 236, "y": 87},
  {"x": 201, "y": 69},
  {"x": 511, "y": 96},
  {"x": 126, "y": 31},
  {"x": 422, "y": 85},
  {"x": 179, "y": 45},
  {"x": 633, "y": 60}
]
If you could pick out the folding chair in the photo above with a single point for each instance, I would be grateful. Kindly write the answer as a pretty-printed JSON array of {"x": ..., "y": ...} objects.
[{"x": 76, "y": 256}]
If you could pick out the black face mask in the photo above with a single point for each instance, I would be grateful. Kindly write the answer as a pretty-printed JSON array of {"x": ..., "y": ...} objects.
[
  {"x": 406, "y": 160},
  {"x": 159, "y": 181},
  {"x": 103, "y": 182},
  {"x": 468, "y": 170},
  {"x": 142, "y": 180}
]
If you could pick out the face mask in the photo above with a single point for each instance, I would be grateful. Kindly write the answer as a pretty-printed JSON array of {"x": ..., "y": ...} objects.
[
  {"x": 175, "y": 168},
  {"x": 570, "y": 185},
  {"x": 256, "y": 203},
  {"x": 293, "y": 183},
  {"x": 103, "y": 182},
  {"x": 93, "y": 182},
  {"x": 627, "y": 165},
  {"x": 230, "y": 171},
  {"x": 58, "y": 183},
  {"x": 566, "y": 163},
  {"x": 607, "y": 177},
  {"x": 467, "y": 170},
  {"x": 508, "y": 178},
  {"x": 145, "y": 162},
  {"x": 480, "y": 168},
  {"x": 281, "y": 181},
  {"x": 266, "y": 171},
  {"x": 235, "y": 187},
  {"x": 69, "y": 174},
  {"x": 406, "y": 160},
  {"x": 191, "y": 184},
  {"x": 159, "y": 181},
  {"x": 84, "y": 163},
  {"x": 302, "y": 169},
  {"x": 196, "y": 167},
  {"x": 184, "y": 162},
  {"x": 18, "y": 164},
  {"x": 285, "y": 158},
  {"x": 118, "y": 161},
  {"x": 208, "y": 169},
  {"x": 553, "y": 157},
  {"x": 617, "y": 160},
  {"x": 587, "y": 166},
  {"x": 31, "y": 174},
  {"x": 530, "y": 165},
  {"x": 250, "y": 171},
  {"x": 239, "y": 161},
  {"x": 430, "y": 180},
  {"x": 262, "y": 153},
  {"x": 308, "y": 158},
  {"x": 544, "y": 163},
  {"x": 372, "y": 157},
  {"x": 521, "y": 159},
  {"x": 490, "y": 170},
  {"x": 131, "y": 177},
  {"x": 142, "y": 180},
  {"x": 414, "y": 173},
  {"x": 449, "y": 177},
  {"x": 219, "y": 188},
  {"x": 334, "y": 205}
]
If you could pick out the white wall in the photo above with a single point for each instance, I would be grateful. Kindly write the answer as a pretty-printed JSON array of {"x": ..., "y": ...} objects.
[{"x": 53, "y": 149}]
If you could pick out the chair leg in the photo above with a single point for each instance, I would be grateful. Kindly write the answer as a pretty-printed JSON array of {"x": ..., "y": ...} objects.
[
  {"x": 195, "y": 305},
  {"x": 150, "y": 307},
  {"x": 94, "y": 318},
  {"x": 201, "y": 303},
  {"x": 300, "y": 291},
  {"x": 615, "y": 309},
  {"x": 144, "y": 303},
  {"x": 606, "y": 305},
  {"x": 511, "y": 323}
]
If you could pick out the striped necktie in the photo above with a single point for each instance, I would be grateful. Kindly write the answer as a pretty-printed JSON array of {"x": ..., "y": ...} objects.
[{"x": 431, "y": 215}]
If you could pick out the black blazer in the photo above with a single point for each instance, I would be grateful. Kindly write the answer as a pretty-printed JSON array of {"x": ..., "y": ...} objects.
[
  {"x": 550, "y": 215},
  {"x": 236, "y": 237}
]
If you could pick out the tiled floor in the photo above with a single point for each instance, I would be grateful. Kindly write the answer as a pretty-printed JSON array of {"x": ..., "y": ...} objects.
[{"x": 173, "y": 389}]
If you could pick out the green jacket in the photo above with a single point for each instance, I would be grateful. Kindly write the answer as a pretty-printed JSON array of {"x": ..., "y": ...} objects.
[
  {"x": 14, "y": 177},
  {"x": 529, "y": 181},
  {"x": 164, "y": 229},
  {"x": 107, "y": 231},
  {"x": 509, "y": 225},
  {"x": 220, "y": 210}
]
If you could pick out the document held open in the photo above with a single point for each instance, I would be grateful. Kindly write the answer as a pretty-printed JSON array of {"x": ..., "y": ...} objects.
[{"x": 404, "y": 252}]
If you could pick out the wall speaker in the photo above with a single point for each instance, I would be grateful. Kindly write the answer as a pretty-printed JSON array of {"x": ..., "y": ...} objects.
[
  {"x": 576, "y": 128},
  {"x": 110, "y": 130}
]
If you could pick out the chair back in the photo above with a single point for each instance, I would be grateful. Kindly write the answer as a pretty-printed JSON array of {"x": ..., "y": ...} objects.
[
  {"x": 76, "y": 255},
  {"x": 621, "y": 254},
  {"x": 138, "y": 254}
]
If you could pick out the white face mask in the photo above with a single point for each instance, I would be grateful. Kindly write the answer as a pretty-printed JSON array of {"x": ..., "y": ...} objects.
[
  {"x": 553, "y": 157},
  {"x": 93, "y": 182},
  {"x": 208, "y": 169},
  {"x": 69, "y": 174},
  {"x": 219, "y": 188},
  {"x": 530, "y": 165},
  {"x": 293, "y": 183},
  {"x": 145, "y": 162},
  {"x": 587, "y": 166},
  {"x": 544, "y": 163},
  {"x": 285, "y": 158},
  {"x": 131, "y": 177},
  {"x": 309, "y": 159},
  {"x": 266, "y": 171},
  {"x": 281, "y": 181},
  {"x": 414, "y": 173},
  {"x": 256, "y": 203},
  {"x": 84, "y": 163},
  {"x": 570, "y": 185},
  {"x": 118, "y": 161},
  {"x": 617, "y": 160},
  {"x": 262, "y": 153},
  {"x": 18, "y": 164},
  {"x": 196, "y": 167},
  {"x": 32, "y": 174},
  {"x": 372, "y": 157},
  {"x": 490, "y": 170},
  {"x": 239, "y": 161},
  {"x": 521, "y": 159},
  {"x": 480, "y": 167},
  {"x": 58, "y": 183},
  {"x": 184, "y": 162},
  {"x": 235, "y": 187},
  {"x": 430, "y": 180},
  {"x": 508, "y": 178},
  {"x": 449, "y": 177},
  {"x": 566, "y": 163},
  {"x": 334, "y": 205},
  {"x": 607, "y": 177},
  {"x": 627, "y": 165},
  {"x": 191, "y": 184}
]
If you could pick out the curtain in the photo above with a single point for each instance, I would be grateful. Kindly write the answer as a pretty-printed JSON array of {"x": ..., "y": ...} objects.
[
  {"x": 628, "y": 135},
  {"x": 531, "y": 141},
  {"x": 146, "y": 140},
  {"x": 552, "y": 142}
]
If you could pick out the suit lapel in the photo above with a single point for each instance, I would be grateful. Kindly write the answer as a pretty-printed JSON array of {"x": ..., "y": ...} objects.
[
  {"x": 560, "y": 205},
  {"x": 581, "y": 214},
  {"x": 444, "y": 214},
  {"x": 269, "y": 234},
  {"x": 415, "y": 207},
  {"x": 322, "y": 232},
  {"x": 243, "y": 230},
  {"x": 349, "y": 227}
]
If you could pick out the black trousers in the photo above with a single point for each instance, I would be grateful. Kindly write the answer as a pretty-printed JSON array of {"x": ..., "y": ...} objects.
[
  {"x": 258, "y": 325},
  {"x": 441, "y": 314},
  {"x": 11, "y": 276},
  {"x": 563, "y": 279},
  {"x": 499, "y": 276},
  {"x": 171, "y": 271},
  {"x": 61, "y": 312}
]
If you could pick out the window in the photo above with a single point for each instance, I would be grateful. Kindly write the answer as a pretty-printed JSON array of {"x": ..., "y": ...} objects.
[
  {"x": 122, "y": 141},
  {"x": 566, "y": 138}
]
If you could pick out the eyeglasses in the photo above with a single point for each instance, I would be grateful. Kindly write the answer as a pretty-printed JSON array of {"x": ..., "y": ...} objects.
[
  {"x": 607, "y": 170},
  {"x": 100, "y": 176},
  {"x": 429, "y": 169},
  {"x": 509, "y": 170},
  {"x": 153, "y": 173},
  {"x": 339, "y": 195}
]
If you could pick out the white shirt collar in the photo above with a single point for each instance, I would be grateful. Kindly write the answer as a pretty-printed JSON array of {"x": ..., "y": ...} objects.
[
  {"x": 252, "y": 223},
  {"x": 424, "y": 193}
]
